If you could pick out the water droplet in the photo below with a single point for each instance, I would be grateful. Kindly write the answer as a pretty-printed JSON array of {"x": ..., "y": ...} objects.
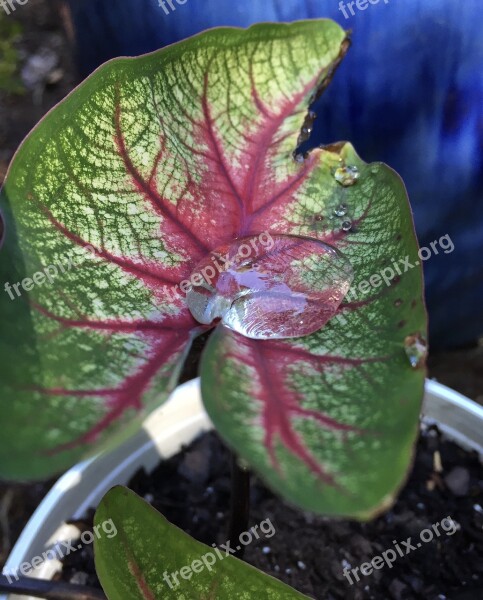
[
  {"x": 341, "y": 210},
  {"x": 297, "y": 286},
  {"x": 374, "y": 170},
  {"x": 307, "y": 128},
  {"x": 300, "y": 156},
  {"x": 347, "y": 175},
  {"x": 346, "y": 226},
  {"x": 398, "y": 302},
  {"x": 416, "y": 349}
]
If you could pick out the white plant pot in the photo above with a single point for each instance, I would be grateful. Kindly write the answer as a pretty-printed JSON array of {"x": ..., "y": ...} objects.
[{"x": 177, "y": 423}]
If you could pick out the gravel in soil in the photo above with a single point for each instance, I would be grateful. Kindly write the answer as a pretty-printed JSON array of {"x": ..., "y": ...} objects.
[{"x": 192, "y": 490}]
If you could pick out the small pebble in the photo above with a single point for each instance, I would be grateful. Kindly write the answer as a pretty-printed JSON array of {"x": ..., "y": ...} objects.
[
  {"x": 458, "y": 481},
  {"x": 79, "y": 578}
]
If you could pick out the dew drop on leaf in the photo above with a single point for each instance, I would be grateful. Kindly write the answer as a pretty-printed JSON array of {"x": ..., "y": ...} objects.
[
  {"x": 416, "y": 348},
  {"x": 300, "y": 157},
  {"x": 341, "y": 210},
  {"x": 270, "y": 287},
  {"x": 346, "y": 225},
  {"x": 347, "y": 175}
]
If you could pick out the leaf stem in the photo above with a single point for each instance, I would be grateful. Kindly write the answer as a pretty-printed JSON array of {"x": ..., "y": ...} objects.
[
  {"x": 239, "y": 505},
  {"x": 49, "y": 590}
]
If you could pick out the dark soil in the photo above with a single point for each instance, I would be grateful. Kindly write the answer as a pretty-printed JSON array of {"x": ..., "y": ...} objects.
[{"x": 192, "y": 490}]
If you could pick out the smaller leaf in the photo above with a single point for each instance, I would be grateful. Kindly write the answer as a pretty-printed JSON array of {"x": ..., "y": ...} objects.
[{"x": 148, "y": 555}]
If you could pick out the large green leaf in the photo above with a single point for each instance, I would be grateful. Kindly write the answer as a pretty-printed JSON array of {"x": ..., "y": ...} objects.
[
  {"x": 150, "y": 165},
  {"x": 144, "y": 559},
  {"x": 142, "y": 170}
]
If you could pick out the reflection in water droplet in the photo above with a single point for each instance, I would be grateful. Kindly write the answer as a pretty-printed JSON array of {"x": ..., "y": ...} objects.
[
  {"x": 416, "y": 348},
  {"x": 341, "y": 210},
  {"x": 287, "y": 286},
  {"x": 346, "y": 226},
  {"x": 347, "y": 175}
]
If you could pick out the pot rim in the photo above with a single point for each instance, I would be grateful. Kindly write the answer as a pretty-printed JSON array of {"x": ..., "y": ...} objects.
[{"x": 165, "y": 431}]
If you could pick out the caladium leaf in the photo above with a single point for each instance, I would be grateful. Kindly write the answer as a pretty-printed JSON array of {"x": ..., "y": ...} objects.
[
  {"x": 144, "y": 170},
  {"x": 146, "y": 558}
]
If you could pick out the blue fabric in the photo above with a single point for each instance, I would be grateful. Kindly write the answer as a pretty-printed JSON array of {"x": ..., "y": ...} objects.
[{"x": 410, "y": 93}]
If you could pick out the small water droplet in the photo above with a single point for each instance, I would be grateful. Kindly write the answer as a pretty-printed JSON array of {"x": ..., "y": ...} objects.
[
  {"x": 398, "y": 302},
  {"x": 374, "y": 170},
  {"x": 341, "y": 210},
  {"x": 307, "y": 128},
  {"x": 346, "y": 226},
  {"x": 266, "y": 550},
  {"x": 416, "y": 349},
  {"x": 297, "y": 286},
  {"x": 300, "y": 157},
  {"x": 347, "y": 175}
]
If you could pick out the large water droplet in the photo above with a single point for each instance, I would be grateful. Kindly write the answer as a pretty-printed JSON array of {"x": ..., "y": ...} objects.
[
  {"x": 265, "y": 286},
  {"x": 347, "y": 175},
  {"x": 416, "y": 348}
]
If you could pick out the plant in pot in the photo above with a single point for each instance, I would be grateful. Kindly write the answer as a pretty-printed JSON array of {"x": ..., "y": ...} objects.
[{"x": 163, "y": 201}]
